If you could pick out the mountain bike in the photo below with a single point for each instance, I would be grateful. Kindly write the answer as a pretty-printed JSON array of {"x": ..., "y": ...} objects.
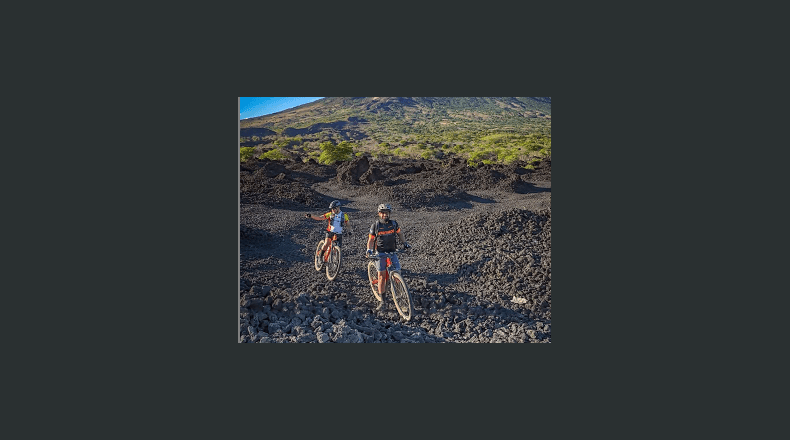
[
  {"x": 329, "y": 259},
  {"x": 393, "y": 280}
]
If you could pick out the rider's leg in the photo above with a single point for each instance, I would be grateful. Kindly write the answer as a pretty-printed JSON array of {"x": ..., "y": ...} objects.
[
  {"x": 381, "y": 283},
  {"x": 326, "y": 244},
  {"x": 382, "y": 271}
]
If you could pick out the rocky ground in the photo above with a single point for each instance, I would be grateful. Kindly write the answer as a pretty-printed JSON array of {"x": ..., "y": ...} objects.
[{"x": 479, "y": 269}]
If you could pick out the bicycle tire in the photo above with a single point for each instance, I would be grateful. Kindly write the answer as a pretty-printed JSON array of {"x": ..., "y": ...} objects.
[
  {"x": 401, "y": 295},
  {"x": 318, "y": 260},
  {"x": 373, "y": 275},
  {"x": 333, "y": 265}
]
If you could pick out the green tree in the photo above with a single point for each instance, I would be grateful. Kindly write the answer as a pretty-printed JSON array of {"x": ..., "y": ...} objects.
[
  {"x": 274, "y": 154},
  {"x": 331, "y": 153},
  {"x": 246, "y": 153}
]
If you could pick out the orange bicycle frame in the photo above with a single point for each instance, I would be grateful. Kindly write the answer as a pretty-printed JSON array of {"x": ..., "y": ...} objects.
[
  {"x": 329, "y": 248},
  {"x": 386, "y": 271}
]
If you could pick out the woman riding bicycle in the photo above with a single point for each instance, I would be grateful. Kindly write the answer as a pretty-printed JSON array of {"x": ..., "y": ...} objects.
[
  {"x": 337, "y": 221},
  {"x": 382, "y": 232}
]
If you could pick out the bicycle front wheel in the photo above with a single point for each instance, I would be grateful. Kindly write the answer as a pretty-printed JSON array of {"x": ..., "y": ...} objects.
[
  {"x": 318, "y": 259},
  {"x": 373, "y": 276},
  {"x": 401, "y": 295},
  {"x": 333, "y": 265}
]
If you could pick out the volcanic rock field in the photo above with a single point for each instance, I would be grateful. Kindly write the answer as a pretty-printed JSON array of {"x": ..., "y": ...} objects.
[{"x": 479, "y": 269}]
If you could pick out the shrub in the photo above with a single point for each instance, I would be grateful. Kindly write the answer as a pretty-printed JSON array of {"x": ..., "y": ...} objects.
[
  {"x": 331, "y": 153},
  {"x": 246, "y": 153},
  {"x": 400, "y": 152},
  {"x": 274, "y": 154},
  {"x": 477, "y": 155},
  {"x": 507, "y": 155},
  {"x": 427, "y": 154},
  {"x": 285, "y": 143}
]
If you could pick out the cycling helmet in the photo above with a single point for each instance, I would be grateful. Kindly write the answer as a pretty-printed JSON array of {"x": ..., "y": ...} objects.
[
  {"x": 334, "y": 204},
  {"x": 385, "y": 207}
]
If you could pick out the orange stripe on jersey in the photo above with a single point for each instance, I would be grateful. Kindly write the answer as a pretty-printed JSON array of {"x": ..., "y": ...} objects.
[{"x": 387, "y": 232}]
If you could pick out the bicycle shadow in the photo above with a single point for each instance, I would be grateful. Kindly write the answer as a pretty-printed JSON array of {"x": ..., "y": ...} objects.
[
  {"x": 358, "y": 294},
  {"x": 466, "y": 304},
  {"x": 352, "y": 289}
]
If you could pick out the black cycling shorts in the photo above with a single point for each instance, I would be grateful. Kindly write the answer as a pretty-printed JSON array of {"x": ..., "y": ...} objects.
[{"x": 338, "y": 240}]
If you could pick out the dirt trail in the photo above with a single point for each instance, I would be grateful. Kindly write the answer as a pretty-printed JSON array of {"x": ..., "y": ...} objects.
[{"x": 479, "y": 269}]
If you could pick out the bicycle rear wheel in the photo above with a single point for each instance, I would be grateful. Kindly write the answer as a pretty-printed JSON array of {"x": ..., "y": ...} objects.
[
  {"x": 373, "y": 275},
  {"x": 401, "y": 295},
  {"x": 333, "y": 265},
  {"x": 318, "y": 260}
]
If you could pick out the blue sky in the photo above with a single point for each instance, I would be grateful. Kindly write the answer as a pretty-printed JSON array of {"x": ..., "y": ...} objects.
[{"x": 252, "y": 107}]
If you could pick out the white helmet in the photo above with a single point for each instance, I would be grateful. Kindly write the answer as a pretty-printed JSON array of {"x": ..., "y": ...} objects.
[{"x": 385, "y": 207}]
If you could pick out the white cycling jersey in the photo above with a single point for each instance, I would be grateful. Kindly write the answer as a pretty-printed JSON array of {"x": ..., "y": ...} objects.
[{"x": 336, "y": 221}]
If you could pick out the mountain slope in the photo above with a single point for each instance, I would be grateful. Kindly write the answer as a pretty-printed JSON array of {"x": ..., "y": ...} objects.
[
  {"x": 370, "y": 122},
  {"x": 406, "y": 110}
]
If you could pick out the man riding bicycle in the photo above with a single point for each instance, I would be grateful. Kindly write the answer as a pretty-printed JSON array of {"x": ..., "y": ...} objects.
[
  {"x": 337, "y": 221},
  {"x": 382, "y": 232}
]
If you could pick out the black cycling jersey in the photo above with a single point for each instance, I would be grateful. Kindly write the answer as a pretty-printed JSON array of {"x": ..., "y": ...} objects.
[{"x": 384, "y": 233}]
